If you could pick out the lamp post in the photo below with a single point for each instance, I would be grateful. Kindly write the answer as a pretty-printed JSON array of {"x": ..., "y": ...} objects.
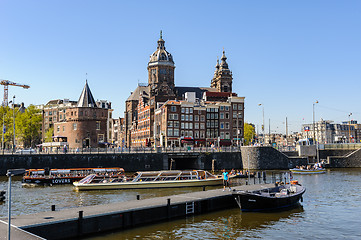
[
  {"x": 10, "y": 173},
  {"x": 14, "y": 121},
  {"x": 260, "y": 104},
  {"x": 349, "y": 128},
  {"x": 238, "y": 129},
  {"x": 314, "y": 130}
]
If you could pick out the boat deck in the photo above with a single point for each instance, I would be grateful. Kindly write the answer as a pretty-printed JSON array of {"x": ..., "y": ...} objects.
[{"x": 80, "y": 221}]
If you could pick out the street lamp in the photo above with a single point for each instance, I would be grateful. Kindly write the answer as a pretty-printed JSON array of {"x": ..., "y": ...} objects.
[
  {"x": 10, "y": 173},
  {"x": 349, "y": 128},
  {"x": 238, "y": 113},
  {"x": 314, "y": 130},
  {"x": 14, "y": 121},
  {"x": 260, "y": 104}
]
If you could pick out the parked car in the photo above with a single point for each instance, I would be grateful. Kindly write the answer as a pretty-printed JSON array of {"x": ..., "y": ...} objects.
[{"x": 26, "y": 151}]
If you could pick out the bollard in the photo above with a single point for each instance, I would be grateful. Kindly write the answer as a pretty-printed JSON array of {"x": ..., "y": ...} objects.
[
  {"x": 204, "y": 188},
  {"x": 80, "y": 223},
  {"x": 138, "y": 197},
  {"x": 168, "y": 208},
  {"x": 53, "y": 208},
  {"x": 2, "y": 195}
]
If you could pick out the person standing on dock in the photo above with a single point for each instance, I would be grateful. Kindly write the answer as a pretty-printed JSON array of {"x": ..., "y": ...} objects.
[{"x": 225, "y": 180}]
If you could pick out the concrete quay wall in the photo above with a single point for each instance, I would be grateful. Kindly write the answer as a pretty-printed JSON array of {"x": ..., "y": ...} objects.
[{"x": 255, "y": 158}]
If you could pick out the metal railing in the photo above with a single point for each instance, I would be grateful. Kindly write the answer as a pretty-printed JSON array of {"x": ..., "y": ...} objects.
[{"x": 121, "y": 150}]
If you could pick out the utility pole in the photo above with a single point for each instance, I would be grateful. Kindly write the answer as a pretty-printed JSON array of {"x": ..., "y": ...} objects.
[{"x": 286, "y": 132}]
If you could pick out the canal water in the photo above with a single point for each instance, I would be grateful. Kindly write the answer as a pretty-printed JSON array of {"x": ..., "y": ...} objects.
[{"x": 330, "y": 210}]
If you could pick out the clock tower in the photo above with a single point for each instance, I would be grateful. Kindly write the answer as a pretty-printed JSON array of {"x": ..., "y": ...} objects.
[{"x": 161, "y": 73}]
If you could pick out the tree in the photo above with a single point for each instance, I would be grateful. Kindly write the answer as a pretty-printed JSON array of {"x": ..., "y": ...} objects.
[
  {"x": 249, "y": 133},
  {"x": 28, "y": 126},
  {"x": 49, "y": 135}
]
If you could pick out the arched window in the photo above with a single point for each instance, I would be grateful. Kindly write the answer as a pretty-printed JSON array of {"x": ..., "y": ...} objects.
[{"x": 163, "y": 57}]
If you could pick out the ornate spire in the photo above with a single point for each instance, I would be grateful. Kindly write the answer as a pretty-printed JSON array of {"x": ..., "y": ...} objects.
[
  {"x": 161, "y": 41},
  {"x": 224, "y": 64}
]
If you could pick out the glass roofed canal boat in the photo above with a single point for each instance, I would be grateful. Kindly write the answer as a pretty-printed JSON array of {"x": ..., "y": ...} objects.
[
  {"x": 65, "y": 176},
  {"x": 153, "y": 179}
]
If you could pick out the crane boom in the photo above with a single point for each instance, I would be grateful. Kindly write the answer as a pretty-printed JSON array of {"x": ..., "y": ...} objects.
[{"x": 6, "y": 84}]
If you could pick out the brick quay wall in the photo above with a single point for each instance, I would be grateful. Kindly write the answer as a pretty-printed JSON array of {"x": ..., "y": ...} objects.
[{"x": 255, "y": 158}]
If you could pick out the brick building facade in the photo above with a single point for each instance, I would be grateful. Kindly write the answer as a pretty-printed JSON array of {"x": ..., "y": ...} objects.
[{"x": 162, "y": 114}]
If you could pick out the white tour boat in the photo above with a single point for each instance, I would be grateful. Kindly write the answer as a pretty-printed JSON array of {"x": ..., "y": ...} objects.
[
  {"x": 152, "y": 179},
  {"x": 307, "y": 171}
]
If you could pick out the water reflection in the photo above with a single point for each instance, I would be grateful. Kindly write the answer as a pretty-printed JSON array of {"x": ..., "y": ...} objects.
[{"x": 229, "y": 224}]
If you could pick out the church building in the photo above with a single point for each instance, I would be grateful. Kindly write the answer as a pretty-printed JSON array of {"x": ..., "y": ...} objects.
[{"x": 143, "y": 129}]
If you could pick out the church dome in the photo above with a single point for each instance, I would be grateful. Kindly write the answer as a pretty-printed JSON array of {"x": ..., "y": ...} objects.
[{"x": 161, "y": 56}]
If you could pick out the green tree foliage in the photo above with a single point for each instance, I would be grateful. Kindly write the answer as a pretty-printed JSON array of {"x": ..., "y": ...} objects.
[
  {"x": 49, "y": 135},
  {"x": 249, "y": 133},
  {"x": 27, "y": 126}
]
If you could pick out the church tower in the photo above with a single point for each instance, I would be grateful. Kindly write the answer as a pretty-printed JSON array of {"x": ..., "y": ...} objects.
[
  {"x": 161, "y": 72},
  {"x": 222, "y": 79}
]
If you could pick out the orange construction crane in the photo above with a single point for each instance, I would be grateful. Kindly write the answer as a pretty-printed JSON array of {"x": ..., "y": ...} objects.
[{"x": 8, "y": 83}]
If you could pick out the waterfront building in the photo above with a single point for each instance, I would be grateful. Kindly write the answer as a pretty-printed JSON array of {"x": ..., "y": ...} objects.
[
  {"x": 86, "y": 124},
  {"x": 328, "y": 132},
  {"x": 161, "y": 114}
]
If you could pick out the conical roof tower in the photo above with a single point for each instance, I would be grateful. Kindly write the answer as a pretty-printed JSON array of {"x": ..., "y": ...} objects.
[{"x": 86, "y": 98}]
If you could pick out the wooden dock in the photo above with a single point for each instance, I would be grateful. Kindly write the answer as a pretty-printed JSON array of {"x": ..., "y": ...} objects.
[{"x": 82, "y": 221}]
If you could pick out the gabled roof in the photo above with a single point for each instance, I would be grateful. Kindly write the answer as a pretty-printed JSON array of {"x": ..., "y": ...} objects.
[
  {"x": 140, "y": 90},
  {"x": 86, "y": 98}
]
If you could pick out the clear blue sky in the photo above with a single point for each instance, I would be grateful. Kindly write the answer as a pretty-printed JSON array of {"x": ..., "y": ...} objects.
[{"x": 283, "y": 54}]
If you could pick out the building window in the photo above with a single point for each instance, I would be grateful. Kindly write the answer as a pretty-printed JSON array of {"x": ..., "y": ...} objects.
[
  {"x": 74, "y": 126},
  {"x": 202, "y": 118},
  {"x": 196, "y": 134},
  {"x": 100, "y": 137},
  {"x": 60, "y": 117},
  {"x": 196, "y": 118},
  {"x": 196, "y": 125},
  {"x": 170, "y": 132},
  {"x": 182, "y": 125},
  {"x": 186, "y": 117},
  {"x": 222, "y": 135},
  {"x": 239, "y": 106},
  {"x": 187, "y": 110},
  {"x": 58, "y": 128},
  {"x": 202, "y": 125},
  {"x": 227, "y": 125},
  {"x": 173, "y": 109},
  {"x": 221, "y": 115},
  {"x": 176, "y": 132},
  {"x": 190, "y": 125},
  {"x": 190, "y": 117},
  {"x": 226, "y": 108},
  {"x": 182, "y": 117},
  {"x": 98, "y": 125},
  {"x": 191, "y": 110},
  {"x": 221, "y": 108},
  {"x": 234, "y": 106},
  {"x": 176, "y": 124},
  {"x": 227, "y": 115},
  {"x": 170, "y": 124},
  {"x": 183, "y": 110},
  {"x": 63, "y": 128},
  {"x": 222, "y": 125},
  {"x": 186, "y": 125},
  {"x": 227, "y": 135}
]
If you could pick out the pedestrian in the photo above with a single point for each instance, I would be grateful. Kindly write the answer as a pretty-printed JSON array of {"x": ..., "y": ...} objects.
[{"x": 225, "y": 180}]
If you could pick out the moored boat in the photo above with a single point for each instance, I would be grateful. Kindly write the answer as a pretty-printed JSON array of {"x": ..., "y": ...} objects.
[
  {"x": 270, "y": 199},
  {"x": 307, "y": 171},
  {"x": 152, "y": 179},
  {"x": 65, "y": 176}
]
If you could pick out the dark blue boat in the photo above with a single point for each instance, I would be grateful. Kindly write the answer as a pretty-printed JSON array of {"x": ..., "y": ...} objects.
[{"x": 270, "y": 199}]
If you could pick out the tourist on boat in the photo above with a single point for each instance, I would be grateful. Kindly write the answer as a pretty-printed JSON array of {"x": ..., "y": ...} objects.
[{"x": 225, "y": 180}]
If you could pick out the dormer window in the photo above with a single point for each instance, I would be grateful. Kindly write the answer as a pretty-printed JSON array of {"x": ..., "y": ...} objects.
[{"x": 163, "y": 57}]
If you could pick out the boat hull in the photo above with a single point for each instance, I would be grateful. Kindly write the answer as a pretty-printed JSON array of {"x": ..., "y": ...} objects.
[
  {"x": 50, "y": 181},
  {"x": 250, "y": 202},
  {"x": 147, "y": 185},
  {"x": 305, "y": 171}
]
